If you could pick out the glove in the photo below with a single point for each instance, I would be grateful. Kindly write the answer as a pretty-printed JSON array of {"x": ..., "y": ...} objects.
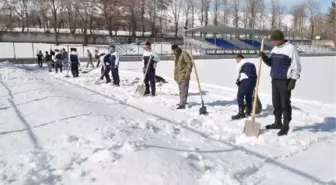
[
  {"x": 238, "y": 82},
  {"x": 262, "y": 54},
  {"x": 291, "y": 84}
]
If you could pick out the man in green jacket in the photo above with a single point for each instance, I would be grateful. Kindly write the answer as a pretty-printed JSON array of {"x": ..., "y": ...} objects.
[{"x": 183, "y": 69}]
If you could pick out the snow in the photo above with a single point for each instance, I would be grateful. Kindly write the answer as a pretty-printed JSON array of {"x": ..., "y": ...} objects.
[{"x": 57, "y": 130}]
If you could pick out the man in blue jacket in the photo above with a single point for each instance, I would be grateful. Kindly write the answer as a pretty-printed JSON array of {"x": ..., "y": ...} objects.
[
  {"x": 111, "y": 63},
  {"x": 285, "y": 70},
  {"x": 75, "y": 62},
  {"x": 246, "y": 82}
]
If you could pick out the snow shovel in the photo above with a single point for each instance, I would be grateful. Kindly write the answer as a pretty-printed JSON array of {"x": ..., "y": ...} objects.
[
  {"x": 252, "y": 128},
  {"x": 141, "y": 88},
  {"x": 203, "y": 109}
]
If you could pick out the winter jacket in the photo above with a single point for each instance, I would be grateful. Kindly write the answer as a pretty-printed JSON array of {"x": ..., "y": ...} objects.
[
  {"x": 154, "y": 60},
  {"x": 284, "y": 62},
  {"x": 74, "y": 59},
  {"x": 58, "y": 58},
  {"x": 65, "y": 56},
  {"x": 183, "y": 66},
  {"x": 111, "y": 59},
  {"x": 245, "y": 70},
  {"x": 90, "y": 57}
]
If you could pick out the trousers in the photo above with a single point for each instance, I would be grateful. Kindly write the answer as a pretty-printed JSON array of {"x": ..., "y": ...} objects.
[
  {"x": 245, "y": 91},
  {"x": 183, "y": 89},
  {"x": 58, "y": 66},
  {"x": 74, "y": 69},
  {"x": 150, "y": 82},
  {"x": 281, "y": 100}
]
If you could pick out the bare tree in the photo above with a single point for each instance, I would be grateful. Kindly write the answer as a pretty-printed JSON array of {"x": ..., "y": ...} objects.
[
  {"x": 55, "y": 6},
  {"x": 8, "y": 9},
  {"x": 236, "y": 8},
  {"x": 245, "y": 5},
  {"x": 312, "y": 10},
  {"x": 262, "y": 16},
  {"x": 216, "y": 6},
  {"x": 108, "y": 8},
  {"x": 299, "y": 16},
  {"x": 71, "y": 15},
  {"x": 253, "y": 8},
  {"x": 274, "y": 12},
  {"x": 277, "y": 13},
  {"x": 43, "y": 10},
  {"x": 132, "y": 7},
  {"x": 186, "y": 10},
  {"x": 175, "y": 8},
  {"x": 331, "y": 31},
  {"x": 152, "y": 12},
  {"x": 142, "y": 4},
  {"x": 84, "y": 9},
  {"x": 225, "y": 9}
]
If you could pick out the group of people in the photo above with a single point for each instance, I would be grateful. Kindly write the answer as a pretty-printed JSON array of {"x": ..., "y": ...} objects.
[
  {"x": 285, "y": 67},
  {"x": 285, "y": 71},
  {"x": 283, "y": 60}
]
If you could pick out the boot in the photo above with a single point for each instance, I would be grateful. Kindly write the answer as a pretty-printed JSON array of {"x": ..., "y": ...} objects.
[
  {"x": 181, "y": 107},
  {"x": 275, "y": 125},
  {"x": 284, "y": 129},
  {"x": 240, "y": 114},
  {"x": 248, "y": 110}
]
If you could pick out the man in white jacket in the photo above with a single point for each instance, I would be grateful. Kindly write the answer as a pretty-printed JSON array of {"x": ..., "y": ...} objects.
[
  {"x": 150, "y": 60},
  {"x": 285, "y": 70},
  {"x": 246, "y": 82}
]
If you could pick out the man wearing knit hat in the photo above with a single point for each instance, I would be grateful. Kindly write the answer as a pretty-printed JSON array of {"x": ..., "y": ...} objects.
[
  {"x": 285, "y": 70},
  {"x": 182, "y": 71}
]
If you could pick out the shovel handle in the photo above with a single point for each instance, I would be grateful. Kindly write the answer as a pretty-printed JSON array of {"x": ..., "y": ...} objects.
[
  {"x": 257, "y": 85},
  {"x": 198, "y": 82}
]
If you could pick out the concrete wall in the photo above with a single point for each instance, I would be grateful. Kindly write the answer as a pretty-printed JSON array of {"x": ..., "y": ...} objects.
[{"x": 66, "y": 38}]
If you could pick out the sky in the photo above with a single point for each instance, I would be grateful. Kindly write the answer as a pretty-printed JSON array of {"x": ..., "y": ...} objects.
[{"x": 324, "y": 4}]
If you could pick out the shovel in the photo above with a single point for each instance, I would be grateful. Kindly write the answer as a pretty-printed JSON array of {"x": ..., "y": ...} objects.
[
  {"x": 252, "y": 128},
  {"x": 141, "y": 88},
  {"x": 203, "y": 109}
]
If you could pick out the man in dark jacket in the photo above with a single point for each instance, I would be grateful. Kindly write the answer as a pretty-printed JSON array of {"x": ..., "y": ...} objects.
[
  {"x": 111, "y": 63},
  {"x": 183, "y": 69},
  {"x": 246, "y": 82},
  {"x": 74, "y": 60},
  {"x": 58, "y": 61},
  {"x": 40, "y": 59},
  {"x": 285, "y": 70},
  {"x": 65, "y": 59},
  {"x": 150, "y": 60},
  {"x": 48, "y": 60}
]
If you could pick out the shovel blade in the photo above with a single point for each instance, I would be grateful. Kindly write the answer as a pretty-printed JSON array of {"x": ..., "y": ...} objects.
[
  {"x": 203, "y": 110},
  {"x": 251, "y": 129},
  {"x": 140, "y": 91}
]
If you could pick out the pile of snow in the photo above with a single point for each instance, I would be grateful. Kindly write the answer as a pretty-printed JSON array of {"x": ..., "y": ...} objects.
[{"x": 57, "y": 130}]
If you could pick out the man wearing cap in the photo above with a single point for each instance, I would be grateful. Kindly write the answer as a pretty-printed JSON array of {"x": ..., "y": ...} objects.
[
  {"x": 246, "y": 82},
  {"x": 285, "y": 70},
  {"x": 74, "y": 59},
  {"x": 182, "y": 71},
  {"x": 150, "y": 60},
  {"x": 58, "y": 61},
  {"x": 111, "y": 63}
]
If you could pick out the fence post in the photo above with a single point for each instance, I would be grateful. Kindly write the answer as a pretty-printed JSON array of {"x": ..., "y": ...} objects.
[
  {"x": 14, "y": 51},
  {"x": 33, "y": 50}
]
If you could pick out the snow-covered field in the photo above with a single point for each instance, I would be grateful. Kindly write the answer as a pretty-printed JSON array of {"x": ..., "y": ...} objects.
[{"x": 56, "y": 130}]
